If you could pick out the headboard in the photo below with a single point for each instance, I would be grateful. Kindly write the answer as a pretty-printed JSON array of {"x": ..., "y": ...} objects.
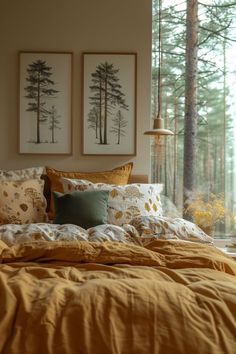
[{"x": 138, "y": 179}]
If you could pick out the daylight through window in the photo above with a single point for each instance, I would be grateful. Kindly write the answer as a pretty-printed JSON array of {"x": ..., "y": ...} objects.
[{"x": 213, "y": 200}]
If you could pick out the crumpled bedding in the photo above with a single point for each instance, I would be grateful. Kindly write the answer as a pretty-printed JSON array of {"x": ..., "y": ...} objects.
[
  {"x": 13, "y": 234},
  {"x": 162, "y": 296},
  {"x": 140, "y": 229}
]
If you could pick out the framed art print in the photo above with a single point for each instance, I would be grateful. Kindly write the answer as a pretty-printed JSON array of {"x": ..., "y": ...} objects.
[
  {"x": 45, "y": 85},
  {"x": 109, "y": 103}
]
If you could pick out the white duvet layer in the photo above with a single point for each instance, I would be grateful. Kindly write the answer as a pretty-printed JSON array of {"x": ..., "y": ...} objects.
[
  {"x": 12, "y": 234},
  {"x": 141, "y": 230}
]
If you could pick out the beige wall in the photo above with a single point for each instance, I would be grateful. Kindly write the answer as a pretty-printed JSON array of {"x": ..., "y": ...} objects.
[{"x": 77, "y": 26}]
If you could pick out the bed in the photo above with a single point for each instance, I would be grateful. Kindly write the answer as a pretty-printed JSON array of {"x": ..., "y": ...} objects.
[{"x": 151, "y": 285}]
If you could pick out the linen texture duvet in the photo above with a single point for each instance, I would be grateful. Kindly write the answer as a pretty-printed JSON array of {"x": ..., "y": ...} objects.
[{"x": 152, "y": 296}]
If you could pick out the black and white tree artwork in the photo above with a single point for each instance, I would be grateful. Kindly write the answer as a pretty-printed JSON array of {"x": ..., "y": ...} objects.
[
  {"x": 45, "y": 91},
  {"x": 106, "y": 95},
  {"x": 118, "y": 127},
  {"x": 109, "y": 103},
  {"x": 94, "y": 121},
  {"x": 54, "y": 123},
  {"x": 39, "y": 90}
]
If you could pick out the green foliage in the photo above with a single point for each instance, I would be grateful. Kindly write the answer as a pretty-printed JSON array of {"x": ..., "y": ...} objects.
[{"x": 215, "y": 120}]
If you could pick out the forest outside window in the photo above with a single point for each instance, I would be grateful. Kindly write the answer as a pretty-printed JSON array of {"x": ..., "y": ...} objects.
[{"x": 211, "y": 200}]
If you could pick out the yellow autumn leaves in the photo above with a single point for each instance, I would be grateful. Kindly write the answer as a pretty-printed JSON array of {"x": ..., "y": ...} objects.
[{"x": 206, "y": 210}]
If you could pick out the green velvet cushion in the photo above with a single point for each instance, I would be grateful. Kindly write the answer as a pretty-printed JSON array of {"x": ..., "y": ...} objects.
[{"x": 85, "y": 209}]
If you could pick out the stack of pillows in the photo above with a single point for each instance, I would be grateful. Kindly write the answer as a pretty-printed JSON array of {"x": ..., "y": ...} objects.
[
  {"x": 22, "y": 199},
  {"x": 88, "y": 199}
]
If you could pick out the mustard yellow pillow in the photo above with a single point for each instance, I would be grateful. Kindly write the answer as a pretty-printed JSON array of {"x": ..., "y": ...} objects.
[
  {"x": 22, "y": 202},
  {"x": 119, "y": 175}
]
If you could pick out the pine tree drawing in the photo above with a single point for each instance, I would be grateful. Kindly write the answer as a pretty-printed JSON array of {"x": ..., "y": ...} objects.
[
  {"x": 106, "y": 95},
  {"x": 39, "y": 89},
  {"x": 119, "y": 124},
  {"x": 54, "y": 123},
  {"x": 93, "y": 119}
]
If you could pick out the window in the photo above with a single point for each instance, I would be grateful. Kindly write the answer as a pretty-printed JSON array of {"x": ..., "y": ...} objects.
[{"x": 216, "y": 107}]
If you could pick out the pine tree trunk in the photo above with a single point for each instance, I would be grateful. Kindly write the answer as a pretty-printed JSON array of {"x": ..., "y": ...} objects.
[
  {"x": 53, "y": 135},
  {"x": 38, "y": 112},
  {"x": 119, "y": 128},
  {"x": 105, "y": 115},
  {"x": 100, "y": 112},
  {"x": 96, "y": 127},
  {"x": 223, "y": 162},
  {"x": 166, "y": 155},
  {"x": 190, "y": 121},
  {"x": 175, "y": 152}
]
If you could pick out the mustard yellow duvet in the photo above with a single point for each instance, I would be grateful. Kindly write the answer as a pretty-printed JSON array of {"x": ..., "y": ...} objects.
[{"x": 97, "y": 298}]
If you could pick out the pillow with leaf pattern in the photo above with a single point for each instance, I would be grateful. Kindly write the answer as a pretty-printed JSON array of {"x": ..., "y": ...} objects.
[
  {"x": 22, "y": 202},
  {"x": 163, "y": 227},
  {"x": 124, "y": 202}
]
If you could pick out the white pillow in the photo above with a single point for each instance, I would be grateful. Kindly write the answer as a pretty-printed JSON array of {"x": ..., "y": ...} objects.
[
  {"x": 20, "y": 175},
  {"x": 167, "y": 228},
  {"x": 124, "y": 202}
]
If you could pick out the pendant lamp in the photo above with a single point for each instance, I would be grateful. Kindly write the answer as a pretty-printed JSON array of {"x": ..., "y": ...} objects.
[{"x": 158, "y": 126}]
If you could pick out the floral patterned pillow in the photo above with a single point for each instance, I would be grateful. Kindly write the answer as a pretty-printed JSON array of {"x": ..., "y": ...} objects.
[
  {"x": 20, "y": 175},
  {"x": 119, "y": 175},
  {"x": 124, "y": 202},
  {"x": 169, "y": 228},
  {"x": 22, "y": 202}
]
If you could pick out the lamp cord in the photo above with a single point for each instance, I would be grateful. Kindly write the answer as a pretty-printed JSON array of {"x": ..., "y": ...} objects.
[{"x": 159, "y": 58}]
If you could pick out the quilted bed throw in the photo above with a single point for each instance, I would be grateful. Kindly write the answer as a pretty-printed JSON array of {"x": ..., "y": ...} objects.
[{"x": 104, "y": 298}]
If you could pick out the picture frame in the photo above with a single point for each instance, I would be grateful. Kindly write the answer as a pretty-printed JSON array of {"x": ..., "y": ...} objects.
[
  {"x": 109, "y": 85},
  {"x": 45, "y": 103}
]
